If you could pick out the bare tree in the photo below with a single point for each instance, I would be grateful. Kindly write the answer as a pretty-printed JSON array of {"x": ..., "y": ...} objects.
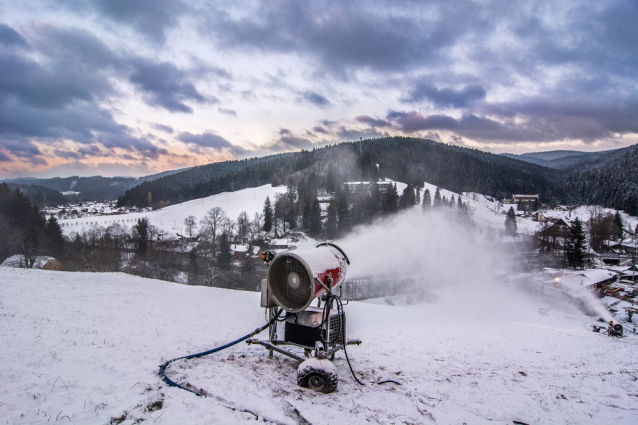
[
  {"x": 243, "y": 222},
  {"x": 190, "y": 224},
  {"x": 255, "y": 227},
  {"x": 211, "y": 224}
]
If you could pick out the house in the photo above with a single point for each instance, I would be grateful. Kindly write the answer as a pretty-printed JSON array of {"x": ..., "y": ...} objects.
[
  {"x": 41, "y": 262},
  {"x": 539, "y": 216},
  {"x": 53, "y": 264},
  {"x": 574, "y": 282},
  {"x": 239, "y": 251},
  {"x": 526, "y": 202},
  {"x": 279, "y": 244},
  {"x": 367, "y": 187}
]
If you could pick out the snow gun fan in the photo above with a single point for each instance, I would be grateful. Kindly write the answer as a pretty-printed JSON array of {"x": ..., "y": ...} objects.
[{"x": 294, "y": 280}]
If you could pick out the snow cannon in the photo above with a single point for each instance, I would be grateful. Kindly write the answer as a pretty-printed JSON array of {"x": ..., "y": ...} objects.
[
  {"x": 312, "y": 335},
  {"x": 296, "y": 278},
  {"x": 615, "y": 329}
]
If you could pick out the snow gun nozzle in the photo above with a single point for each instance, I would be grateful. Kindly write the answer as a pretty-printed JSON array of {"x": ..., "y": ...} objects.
[{"x": 615, "y": 329}]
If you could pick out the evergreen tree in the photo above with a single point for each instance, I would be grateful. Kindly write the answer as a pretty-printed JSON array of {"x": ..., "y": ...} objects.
[
  {"x": 437, "y": 198},
  {"x": 55, "y": 237},
  {"x": 391, "y": 200},
  {"x": 331, "y": 221},
  {"x": 427, "y": 201},
  {"x": 408, "y": 199},
  {"x": 305, "y": 212},
  {"x": 343, "y": 210},
  {"x": 575, "y": 245},
  {"x": 224, "y": 259},
  {"x": 618, "y": 226},
  {"x": 268, "y": 213},
  {"x": 140, "y": 237},
  {"x": 315, "y": 218},
  {"x": 510, "y": 222}
]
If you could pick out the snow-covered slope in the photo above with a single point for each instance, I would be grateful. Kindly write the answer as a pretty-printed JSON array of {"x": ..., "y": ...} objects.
[
  {"x": 84, "y": 348},
  {"x": 171, "y": 219}
]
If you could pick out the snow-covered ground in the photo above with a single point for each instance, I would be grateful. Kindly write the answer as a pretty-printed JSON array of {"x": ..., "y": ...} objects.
[
  {"x": 171, "y": 218},
  {"x": 85, "y": 348}
]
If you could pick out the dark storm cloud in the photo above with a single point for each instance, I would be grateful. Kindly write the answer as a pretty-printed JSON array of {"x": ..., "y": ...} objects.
[
  {"x": 210, "y": 140},
  {"x": 316, "y": 99},
  {"x": 10, "y": 37},
  {"x": 165, "y": 85},
  {"x": 372, "y": 122},
  {"x": 445, "y": 97},
  {"x": 150, "y": 17},
  {"x": 161, "y": 127}
]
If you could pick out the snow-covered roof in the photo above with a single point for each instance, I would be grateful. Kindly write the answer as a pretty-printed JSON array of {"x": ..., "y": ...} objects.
[
  {"x": 577, "y": 280},
  {"x": 17, "y": 261}
]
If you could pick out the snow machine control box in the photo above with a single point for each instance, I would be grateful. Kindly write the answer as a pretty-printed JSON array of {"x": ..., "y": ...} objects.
[{"x": 308, "y": 326}]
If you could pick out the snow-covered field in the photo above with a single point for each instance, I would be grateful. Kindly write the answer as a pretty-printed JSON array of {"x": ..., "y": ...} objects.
[
  {"x": 85, "y": 348},
  {"x": 171, "y": 219}
]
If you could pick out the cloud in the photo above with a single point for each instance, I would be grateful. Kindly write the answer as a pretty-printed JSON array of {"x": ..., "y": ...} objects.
[
  {"x": 341, "y": 35},
  {"x": 166, "y": 86},
  {"x": 10, "y": 37},
  {"x": 355, "y": 134},
  {"x": 149, "y": 17},
  {"x": 372, "y": 122},
  {"x": 211, "y": 141},
  {"x": 316, "y": 99},
  {"x": 445, "y": 97},
  {"x": 225, "y": 111},
  {"x": 319, "y": 129},
  {"x": 161, "y": 127}
]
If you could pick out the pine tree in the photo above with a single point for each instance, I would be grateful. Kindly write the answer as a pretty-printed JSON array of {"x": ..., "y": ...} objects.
[
  {"x": 618, "y": 226},
  {"x": 510, "y": 222},
  {"x": 315, "y": 218},
  {"x": 225, "y": 257},
  {"x": 437, "y": 198},
  {"x": 408, "y": 198},
  {"x": 331, "y": 221},
  {"x": 343, "y": 210},
  {"x": 391, "y": 200},
  {"x": 268, "y": 213},
  {"x": 575, "y": 245},
  {"x": 427, "y": 201},
  {"x": 55, "y": 237},
  {"x": 140, "y": 236}
]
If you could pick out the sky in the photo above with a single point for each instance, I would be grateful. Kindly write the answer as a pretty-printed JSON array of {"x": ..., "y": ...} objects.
[{"x": 131, "y": 88}]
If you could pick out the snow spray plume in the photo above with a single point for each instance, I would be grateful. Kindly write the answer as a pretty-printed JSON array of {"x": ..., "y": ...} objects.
[
  {"x": 591, "y": 301},
  {"x": 439, "y": 255}
]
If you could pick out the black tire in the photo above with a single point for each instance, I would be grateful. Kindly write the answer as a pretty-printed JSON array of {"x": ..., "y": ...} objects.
[{"x": 319, "y": 380}]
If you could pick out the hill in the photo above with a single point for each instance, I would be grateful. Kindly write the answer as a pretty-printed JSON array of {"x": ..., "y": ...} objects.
[
  {"x": 570, "y": 161},
  {"x": 399, "y": 158},
  {"x": 613, "y": 185},
  {"x": 96, "y": 188},
  {"x": 85, "y": 348}
]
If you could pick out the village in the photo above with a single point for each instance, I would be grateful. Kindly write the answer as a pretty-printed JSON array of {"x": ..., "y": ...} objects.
[{"x": 608, "y": 271}]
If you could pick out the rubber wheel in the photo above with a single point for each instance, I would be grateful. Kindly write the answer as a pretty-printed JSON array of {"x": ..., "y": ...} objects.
[{"x": 319, "y": 380}]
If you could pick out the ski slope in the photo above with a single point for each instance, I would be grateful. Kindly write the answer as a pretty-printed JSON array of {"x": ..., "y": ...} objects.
[
  {"x": 84, "y": 348},
  {"x": 171, "y": 219}
]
